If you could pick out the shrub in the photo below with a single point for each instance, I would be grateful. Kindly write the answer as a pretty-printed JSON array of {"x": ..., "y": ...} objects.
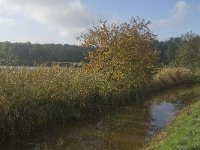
[{"x": 123, "y": 52}]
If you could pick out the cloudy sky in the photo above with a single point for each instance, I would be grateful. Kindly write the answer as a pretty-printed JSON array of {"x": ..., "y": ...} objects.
[{"x": 60, "y": 21}]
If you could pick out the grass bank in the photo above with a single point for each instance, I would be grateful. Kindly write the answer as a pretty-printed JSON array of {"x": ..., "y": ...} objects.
[
  {"x": 182, "y": 134},
  {"x": 32, "y": 99}
]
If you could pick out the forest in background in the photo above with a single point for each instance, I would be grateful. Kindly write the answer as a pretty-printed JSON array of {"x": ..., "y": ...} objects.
[
  {"x": 29, "y": 54},
  {"x": 183, "y": 51}
]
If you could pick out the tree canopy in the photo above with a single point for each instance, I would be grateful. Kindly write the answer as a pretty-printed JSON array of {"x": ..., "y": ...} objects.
[
  {"x": 188, "y": 54},
  {"x": 183, "y": 51},
  {"x": 124, "y": 52}
]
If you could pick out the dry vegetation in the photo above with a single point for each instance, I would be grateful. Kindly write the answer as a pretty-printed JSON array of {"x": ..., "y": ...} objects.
[
  {"x": 34, "y": 99},
  {"x": 122, "y": 65},
  {"x": 170, "y": 76}
]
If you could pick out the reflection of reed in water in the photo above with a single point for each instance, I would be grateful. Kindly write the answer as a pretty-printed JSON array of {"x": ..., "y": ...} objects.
[
  {"x": 124, "y": 128},
  {"x": 128, "y": 127},
  {"x": 179, "y": 93}
]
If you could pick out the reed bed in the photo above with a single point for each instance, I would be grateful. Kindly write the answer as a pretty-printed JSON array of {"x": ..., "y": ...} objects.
[
  {"x": 32, "y": 99},
  {"x": 170, "y": 76}
]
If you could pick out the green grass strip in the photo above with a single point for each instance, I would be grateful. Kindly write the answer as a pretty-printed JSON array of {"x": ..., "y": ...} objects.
[{"x": 182, "y": 134}]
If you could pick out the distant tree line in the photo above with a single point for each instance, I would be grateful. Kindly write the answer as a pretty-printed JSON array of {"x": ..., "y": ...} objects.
[
  {"x": 181, "y": 51},
  {"x": 35, "y": 54}
]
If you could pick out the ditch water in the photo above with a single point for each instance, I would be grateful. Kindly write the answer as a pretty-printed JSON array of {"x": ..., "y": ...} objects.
[{"x": 126, "y": 128}]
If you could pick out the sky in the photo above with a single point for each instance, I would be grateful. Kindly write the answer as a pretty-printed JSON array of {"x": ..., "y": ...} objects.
[{"x": 60, "y": 21}]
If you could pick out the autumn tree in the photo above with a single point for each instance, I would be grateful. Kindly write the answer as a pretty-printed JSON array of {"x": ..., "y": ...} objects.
[{"x": 123, "y": 52}]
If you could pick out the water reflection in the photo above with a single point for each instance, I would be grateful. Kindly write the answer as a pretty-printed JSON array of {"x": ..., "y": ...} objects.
[
  {"x": 128, "y": 127},
  {"x": 161, "y": 114}
]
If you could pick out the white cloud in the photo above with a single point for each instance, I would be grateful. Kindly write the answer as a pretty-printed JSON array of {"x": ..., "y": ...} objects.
[
  {"x": 7, "y": 21},
  {"x": 68, "y": 17},
  {"x": 177, "y": 15},
  {"x": 6, "y": 18}
]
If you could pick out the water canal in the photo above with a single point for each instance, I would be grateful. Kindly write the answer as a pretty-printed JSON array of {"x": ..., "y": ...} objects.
[{"x": 128, "y": 127}]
